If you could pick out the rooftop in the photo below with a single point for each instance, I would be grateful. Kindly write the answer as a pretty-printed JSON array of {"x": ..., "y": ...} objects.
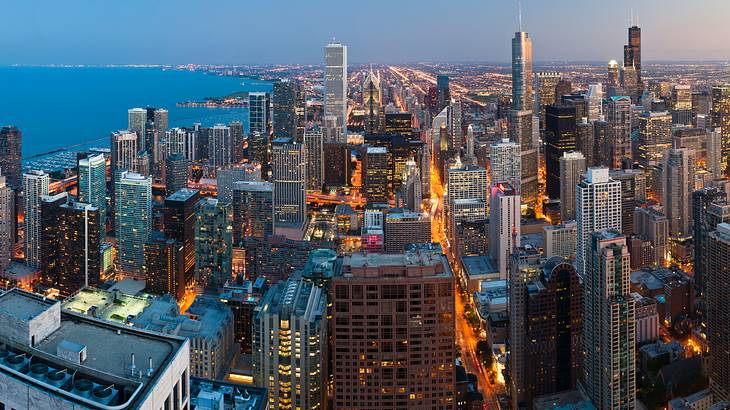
[
  {"x": 109, "y": 305},
  {"x": 208, "y": 395},
  {"x": 182, "y": 195},
  {"x": 20, "y": 306},
  {"x": 477, "y": 265}
]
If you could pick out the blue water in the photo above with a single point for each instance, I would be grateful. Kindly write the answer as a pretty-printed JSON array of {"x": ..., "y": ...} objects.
[{"x": 58, "y": 107}]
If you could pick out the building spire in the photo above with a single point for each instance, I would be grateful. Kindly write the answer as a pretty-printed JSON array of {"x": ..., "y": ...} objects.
[{"x": 519, "y": 14}]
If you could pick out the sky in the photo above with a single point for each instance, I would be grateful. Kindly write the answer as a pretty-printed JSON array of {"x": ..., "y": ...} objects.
[{"x": 379, "y": 31}]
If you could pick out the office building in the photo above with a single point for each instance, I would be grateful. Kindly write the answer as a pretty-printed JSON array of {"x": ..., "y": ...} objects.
[
  {"x": 619, "y": 130},
  {"x": 598, "y": 207},
  {"x": 613, "y": 86},
  {"x": 545, "y": 82},
  {"x": 709, "y": 208},
  {"x": 655, "y": 137},
  {"x": 10, "y": 155},
  {"x": 124, "y": 150},
  {"x": 609, "y": 324},
  {"x": 133, "y": 220},
  {"x": 585, "y": 140},
  {"x": 208, "y": 324},
  {"x": 504, "y": 224},
  {"x": 186, "y": 142},
  {"x": 400, "y": 123},
  {"x": 402, "y": 227},
  {"x": 456, "y": 132},
  {"x": 164, "y": 266},
  {"x": 92, "y": 186},
  {"x": 652, "y": 225},
  {"x": 213, "y": 242},
  {"x": 242, "y": 297},
  {"x": 284, "y": 100},
  {"x": 290, "y": 345},
  {"x": 314, "y": 145},
  {"x": 594, "y": 101},
  {"x": 718, "y": 286},
  {"x": 88, "y": 363},
  {"x": 681, "y": 97},
  {"x": 226, "y": 177},
  {"x": 335, "y": 86},
  {"x": 8, "y": 222},
  {"x": 180, "y": 224},
  {"x": 70, "y": 244},
  {"x": 137, "y": 123},
  {"x": 35, "y": 185},
  {"x": 677, "y": 185},
  {"x": 633, "y": 194},
  {"x": 337, "y": 158},
  {"x": 720, "y": 118},
  {"x": 572, "y": 167},
  {"x": 560, "y": 137},
  {"x": 467, "y": 182},
  {"x": 253, "y": 209},
  {"x": 521, "y": 132},
  {"x": 505, "y": 163},
  {"x": 561, "y": 240},
  {"x": 275, "y": 257},
  {"x": 415, "y": 365},
  {"x": 219, "y": 146},
  {"x": 258, "y": 113},
  {"x": 290, "y": 182},
  {"x": 372, "y": 101},
  {"x": 631, "y": 75},
  {"x": 177, "y": 172},
  {"x": 375, "y": 179},
  {"x": 522, "y": 72}
]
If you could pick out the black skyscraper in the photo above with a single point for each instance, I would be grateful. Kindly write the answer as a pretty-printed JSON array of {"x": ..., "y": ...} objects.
[
  {"x": 560, "y": 137},
  {"x": 10, "y": 153}
]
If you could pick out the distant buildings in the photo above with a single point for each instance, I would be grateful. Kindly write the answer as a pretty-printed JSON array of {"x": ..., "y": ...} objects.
[
  {"x": 290, "y": 345},
  {"x": 226, "y": 177},
  {"x": 335, "y": 85},
  {"x": 560, "y": 138},
  {"x": 720, "y": 116},
  {"x": 314, "y": 145},
  {"x": 10, "y": 154},
  {"x": 290, "y": 182}
]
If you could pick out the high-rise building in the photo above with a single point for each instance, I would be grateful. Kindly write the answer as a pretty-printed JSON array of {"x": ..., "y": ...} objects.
[
  {"x": 10, "y": 154},
  {"x": 708, "y": 210},
  {"x": 290, "y": 345},
  {"x": 632, "y": 81},
  {"x": 594, "y": 101},
  {"x": 8, "y": 222},
  {"x": 337, "y": 158},
  {"x": 314, "y": 144},
  {"x": 721, "y": 119},
  {"x": 563, "y": 88},
  {"x": 522, "y": 72},
  {"x": 572, "y": 166},
  {"x": 609, "y": 324},
  {"x": 601, "y": 144},
  {"x": 504, "y": 224},
  {"x": 655, "y": 137},
  {"x": 456, "y": 132},
  {"x": 219, "y": 146},
  {"x": 372, "y": 102},
  {"x": 560, "y": 138},
  {"x": 213, "y": 242},
  {"x": 598, "y": 207},
  {"x": 243, "y": 296},
  {"x": 290, "y": 182},
  {"x": 410, "y": 194},
  {"x": 35, "y": 185},
  {"x": 70, "y": 244},
  {"x": 92, "y": 186},
  {"x": 505, "y": 163},
  {"x": 718, "y": 327},
  {"x": 677, "y": 185},
  {"x": 415, "y": 364},
  {"x": 164, "y": 270},
  {"x": 585, "y": 140},
  {"x": 137, "y": 123},
  {"x": 619, "y": 130},
  {"x": 258, "y": 112},
  {"x": 469, "y": 142},
  {"x": 403, "y": 227},
  {"x": 398, "y": 123},
  {"x": 179, "y": 222},
  {"x": 253, "y": 209},
  {"x": 524, "y": 268},
  {"x": 652, "y": 225},
  {"x": 133, "y": 220},
  {"x": 375, "y": 179},
  {"x": 561, "y": 240},
  {"x": 284, "y": 101},
  {"x": 335, "y": 86},
  {"x": 681, "y": 97},
  {"x": 124, "y": 150},
  {"x": 545, "y": 82},
  {"x": 612, "y": 80},
  {"x": 552, "y": 322},
  {"x": 226, "y": 177},
  {"x": 183, "y": 141},
  {"x": 237, "y": 141},
  {"x": 633, "y": 194},
  {"x": 521, "y": 132},
  {"x": 177, "y": 173}
]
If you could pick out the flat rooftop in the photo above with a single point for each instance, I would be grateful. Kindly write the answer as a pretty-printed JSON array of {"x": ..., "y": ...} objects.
[
  {"x": 106, "y": 304},
  {"x": 20, "y": 306},
  {"x": 476, "y": 265}
]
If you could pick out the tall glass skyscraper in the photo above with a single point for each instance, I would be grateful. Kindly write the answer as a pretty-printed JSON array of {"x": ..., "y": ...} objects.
[
  {"x": 522, "y": 99},
  {"x": 213, "y": 242},
  {"x": 92, "y": 186},
  {"x": 133, "y": 205},
  {"x": 35, "y": 185},
  {"x": 335, "y": 84},
  {"x": 290, "y": 182}
]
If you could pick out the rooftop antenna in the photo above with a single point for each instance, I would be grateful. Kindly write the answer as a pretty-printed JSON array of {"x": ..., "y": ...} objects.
[{"x": 519, "y": 13}]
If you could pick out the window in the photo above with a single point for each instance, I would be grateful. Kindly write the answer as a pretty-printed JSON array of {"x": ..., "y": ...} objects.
[
  {"x": 341, "y": 292},
  {"x": 184, "y": 385}
]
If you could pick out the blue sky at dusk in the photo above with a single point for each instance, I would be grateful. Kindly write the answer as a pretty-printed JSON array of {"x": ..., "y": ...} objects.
[{"x": 289, "y": 31}]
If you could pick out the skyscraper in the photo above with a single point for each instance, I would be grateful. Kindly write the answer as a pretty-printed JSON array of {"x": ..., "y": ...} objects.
[
  {"x": 133, "y": 206},
  {"x": 226, "y": 177},
  {"x": 92, "y": 186},
  {"x": 521, "y": 132},
  {"x": 213, "y": 242},
  {"x": 403, "y": 227},
  {"x": 609, "y": 324},
  {"x": 290, "y": 345},
  {"x": 456, "y": 133},
  {"x": 375, "y": 174},
  {"x": 504, "y": 224},
  {"x": 335, "y": 85},
  {"x": 314, "y": 144},
  {"x": 585, "y": 140},
  {"x": 290, "y": 182},
  {"x": 163, "y": 268},
  {"x": 632, "y": 64},
  {"x": 35, "y": 185},
  {"x": 718, "y": 327},
  {"x": 721, "y": 119},
  {"x": 284, "y": 101},
  {"x": 443, "y": 93},
  {"x": 179, "y": 221},
  {"x": 415, "y": 362},
  {"x": 220, "y": 145},
  {"x": 7, "y": 224},
  {"x": 545, "y": 82},
  {"x": 258, "y": 113},
  {"x": 572, "y": 166},
  {"x": 619, "y": 130},
  {"x": 10, "y": 154},
  {"x": 655, "y": 137},
  {"x": 137, "y": 123},
  {"x": 505, "y": 163},
  {"x": 124, "y": 150},
  {"x": 612, "y": 81},
  {"x": 253, "y": 210},
  {"x": 598, "y": 207},
  {"x": 522, "y": 72},
  {"x": 560, "y": 138},
  {"x": 237, "y": 141},
  {"x": 708, "y": 205},
  {"x": 633, "y": 194},
  {"x": 177, "y": 172},
  {"x": 372, "y": 102},
  {"x": 677, "y": 185}
]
